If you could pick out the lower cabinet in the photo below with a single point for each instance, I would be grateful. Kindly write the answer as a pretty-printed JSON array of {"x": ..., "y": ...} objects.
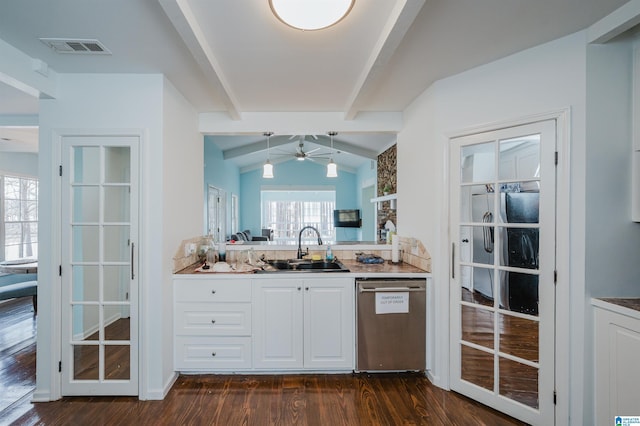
[
  {"x": 617, "y": 371},
  {"x": 303, "y": 324},
  {"x": 212, "y": 324}
]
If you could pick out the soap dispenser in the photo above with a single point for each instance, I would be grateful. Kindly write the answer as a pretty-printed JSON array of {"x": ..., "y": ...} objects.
[{"x": 329, "y": 255}]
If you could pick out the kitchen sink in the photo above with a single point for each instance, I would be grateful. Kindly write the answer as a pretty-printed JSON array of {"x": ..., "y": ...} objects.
[{"x": 304, "y": 265}]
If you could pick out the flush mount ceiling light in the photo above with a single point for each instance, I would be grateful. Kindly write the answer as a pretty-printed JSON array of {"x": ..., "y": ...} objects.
[
  {"x": 267, "y": 168},
  {"x": 310, "y": 15},
  {"x": 332, "y": 168}
]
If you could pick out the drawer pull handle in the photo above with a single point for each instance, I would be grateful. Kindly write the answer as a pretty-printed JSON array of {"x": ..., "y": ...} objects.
[
  {"x": 213, "y": 321},
  {"x": 213, "y": 292},
  {"x": 213, "y": 354}
]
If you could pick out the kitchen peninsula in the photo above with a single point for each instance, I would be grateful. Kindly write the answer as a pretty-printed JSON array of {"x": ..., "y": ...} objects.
[{"x": 279, "y": 322}]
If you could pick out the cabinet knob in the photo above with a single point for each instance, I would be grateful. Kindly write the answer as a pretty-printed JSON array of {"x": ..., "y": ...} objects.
[
  {"x": 213, "y": 354},
  {"x": 306, "y": 288},
  {"x": 213, "y": 292},
  {"x": 299, "y": 288},
  {"x": 213, "y": 321}
]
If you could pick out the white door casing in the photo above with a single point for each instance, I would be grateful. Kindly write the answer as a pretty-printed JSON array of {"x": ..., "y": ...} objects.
[{"x": 488, "y": 171}]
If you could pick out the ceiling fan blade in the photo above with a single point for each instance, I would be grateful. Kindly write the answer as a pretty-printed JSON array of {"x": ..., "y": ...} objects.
[
  {"x": 314, "y": 137},
  {"x": 313, "y": 150}
]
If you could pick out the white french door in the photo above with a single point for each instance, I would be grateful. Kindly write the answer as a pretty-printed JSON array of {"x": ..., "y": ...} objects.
[
  {"x": 503, "y": 235},
  {"x": 99, "y": 235}
]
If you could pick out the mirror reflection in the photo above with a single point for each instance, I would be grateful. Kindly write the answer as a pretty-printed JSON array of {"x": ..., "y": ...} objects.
[{"x": 242, "y": 204}]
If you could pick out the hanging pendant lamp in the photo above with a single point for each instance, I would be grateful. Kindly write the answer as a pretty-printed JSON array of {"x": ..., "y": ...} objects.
[
  {"x": 332, "y": 168},
  {"x": 267, "y": 168}
]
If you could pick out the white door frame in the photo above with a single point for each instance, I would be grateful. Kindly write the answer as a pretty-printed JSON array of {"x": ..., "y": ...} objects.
[
  {"x": 55, "y": 339},
  {"x": 566, "y": 319}
]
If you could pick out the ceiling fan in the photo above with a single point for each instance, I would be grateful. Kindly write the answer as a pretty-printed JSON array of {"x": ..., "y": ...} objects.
[{"x": 301, "y": 154}]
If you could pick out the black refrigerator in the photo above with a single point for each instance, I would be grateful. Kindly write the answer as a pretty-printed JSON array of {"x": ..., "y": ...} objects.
[{"x": 521, "y": 251}]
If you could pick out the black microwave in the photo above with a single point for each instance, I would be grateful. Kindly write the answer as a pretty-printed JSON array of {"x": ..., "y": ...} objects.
[{"x": 347, "y": 218}]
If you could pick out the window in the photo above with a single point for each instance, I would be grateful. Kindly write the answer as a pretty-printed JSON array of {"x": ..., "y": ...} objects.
[
  {"x": 286, "y": 212},
  {"x": 19, "y": 232}
]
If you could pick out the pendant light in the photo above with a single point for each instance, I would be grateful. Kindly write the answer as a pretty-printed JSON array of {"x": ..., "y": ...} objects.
[
  {"x": 332, "y": 168},
  {"x": 267, "y": 169}
]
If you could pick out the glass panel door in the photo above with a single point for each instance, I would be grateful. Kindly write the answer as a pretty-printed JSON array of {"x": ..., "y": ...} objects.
[
  {"x": 503, "y": 296},
  {"x": 99, "y": 283}
]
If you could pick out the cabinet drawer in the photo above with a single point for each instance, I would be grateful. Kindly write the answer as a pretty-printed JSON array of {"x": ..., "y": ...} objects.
[
  {"x": 203, "y": 353},
  {"x": 213, "y": 319},
  {"x": 213, "y": 290}
]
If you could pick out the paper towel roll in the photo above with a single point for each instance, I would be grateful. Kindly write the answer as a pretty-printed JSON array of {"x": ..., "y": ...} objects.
[{"x": 394, "y": 250}]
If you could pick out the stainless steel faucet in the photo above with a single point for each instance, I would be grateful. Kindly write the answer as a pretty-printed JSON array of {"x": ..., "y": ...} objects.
[{"x": 300, "y": 255}]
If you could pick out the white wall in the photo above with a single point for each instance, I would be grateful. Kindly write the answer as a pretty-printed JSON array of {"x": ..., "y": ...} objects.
[
  {"x": 86, "y": 102},
  {"x": 183, "y": 203},
  {"x": 612, "y": 239},
  {"x": 539, "y": 80},
  {"x": 19, "y": 163}
]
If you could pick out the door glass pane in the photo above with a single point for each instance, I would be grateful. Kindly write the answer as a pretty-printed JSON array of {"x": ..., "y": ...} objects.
[
  {"x": 86, "y": 364},
  {"x": 520, "y": 248},
  {"x": 116, "y": 319},
  {"x": 116, "y": 283},
  {"x": 116, "y": 164},
  {"x": 478, "y": 163},
  {"x": 117, "y": 362},
  {"x": 519, "y": 337},
  {"x": 85, "y": 323},
  {"x": 85, "y": 244},
  {"x": 477, "y": 367},
  {"x": 116, "y": 204},
  {"x": 476, "y": 203},
  {"x": 477, "y": 285},
  {"x": 477, "y": 326},
  {"x": 85, "y": 283},
  {"x": 86, "y": 202},
  {"x": 86, "y": 164},
  {"x": 519, "y": 382},
  {"x": 519, "y": 207},
  {"x": 116, "y": 243},
  {"x": 520, "y": 158},
  {"x": 519, "y": 292}
]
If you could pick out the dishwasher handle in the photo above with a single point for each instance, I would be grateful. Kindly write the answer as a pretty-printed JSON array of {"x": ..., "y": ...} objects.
[{"x": 362, "y": 289}]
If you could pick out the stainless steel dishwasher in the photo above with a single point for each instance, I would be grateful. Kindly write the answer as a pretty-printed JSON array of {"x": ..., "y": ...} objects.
[{"x": 391, "y": 325}]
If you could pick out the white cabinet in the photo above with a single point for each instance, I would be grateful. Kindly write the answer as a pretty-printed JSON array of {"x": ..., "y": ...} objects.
[
  {"x": 304, "y": 323},
  {"x": 212, "y": 324},
  {"x": 617, "y": 370}
]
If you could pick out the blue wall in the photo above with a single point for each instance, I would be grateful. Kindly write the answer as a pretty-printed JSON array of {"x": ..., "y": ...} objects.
[
  {"x": 221, "y": 174},
  {"x": 367, "y": 176},
  {"x": 294, "y": 174}
]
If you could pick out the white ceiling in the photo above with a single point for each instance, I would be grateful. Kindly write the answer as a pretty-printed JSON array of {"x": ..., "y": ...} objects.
[{"x": 234, "y": 56}]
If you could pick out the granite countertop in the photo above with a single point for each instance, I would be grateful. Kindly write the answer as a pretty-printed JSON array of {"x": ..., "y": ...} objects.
[
  {"x": 629, "y": 303},
  {"x": 354, "y": 267},
  {"x": 627, "y": 306}
]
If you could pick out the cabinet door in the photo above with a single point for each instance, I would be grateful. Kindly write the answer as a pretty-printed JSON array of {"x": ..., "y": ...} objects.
[
  {"x": 277, "y": 324},
  {"x": 329, "y": 323}
]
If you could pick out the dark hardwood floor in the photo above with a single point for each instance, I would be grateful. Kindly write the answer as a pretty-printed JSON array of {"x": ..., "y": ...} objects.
[{"x": 352, "y": 399}]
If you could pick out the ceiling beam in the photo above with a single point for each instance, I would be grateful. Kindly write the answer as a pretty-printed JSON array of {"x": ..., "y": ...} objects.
[
  {"x": 274, "y": 142},
  {"x": 185, "y": 22},
  {"x": 400, "y": 19},
  {"x": 277, "y": 141}
]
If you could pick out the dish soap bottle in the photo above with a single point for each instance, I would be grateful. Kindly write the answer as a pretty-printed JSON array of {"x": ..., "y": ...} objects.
[{"x": 329, "y": 255}]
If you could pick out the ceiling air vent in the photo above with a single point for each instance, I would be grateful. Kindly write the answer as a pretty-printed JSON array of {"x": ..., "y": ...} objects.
[{"x": 85, "y": 47}]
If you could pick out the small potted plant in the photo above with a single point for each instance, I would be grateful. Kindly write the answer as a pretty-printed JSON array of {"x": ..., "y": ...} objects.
[{"x": 387, "y": 189}]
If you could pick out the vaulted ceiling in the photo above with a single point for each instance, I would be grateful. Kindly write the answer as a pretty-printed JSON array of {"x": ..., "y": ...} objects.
[{"x": 235, "y": 57}]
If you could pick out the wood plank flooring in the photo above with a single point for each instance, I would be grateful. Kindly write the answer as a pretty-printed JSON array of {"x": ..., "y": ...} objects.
[{"x": 350, "y": 399}]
